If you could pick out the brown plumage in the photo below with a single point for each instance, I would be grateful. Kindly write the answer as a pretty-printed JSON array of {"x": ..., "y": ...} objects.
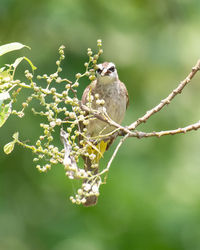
[{"x": 114, "y": 93}]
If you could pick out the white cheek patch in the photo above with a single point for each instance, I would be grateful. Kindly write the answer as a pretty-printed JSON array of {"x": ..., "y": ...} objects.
[{"x": 100, "y": 66}]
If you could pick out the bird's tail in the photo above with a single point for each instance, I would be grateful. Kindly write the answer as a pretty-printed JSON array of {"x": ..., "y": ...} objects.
[{"x": 98, "y": 151}]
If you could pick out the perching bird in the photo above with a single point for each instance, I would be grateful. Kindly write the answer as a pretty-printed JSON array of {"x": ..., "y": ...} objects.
[{"x": 109, "y": 88}]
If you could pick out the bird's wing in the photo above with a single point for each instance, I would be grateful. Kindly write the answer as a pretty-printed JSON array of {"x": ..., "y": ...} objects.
[
  {"x": 88, "y": 89},
  {"x": 84, "y": 100},
  {"x": 124, "y": 91}
]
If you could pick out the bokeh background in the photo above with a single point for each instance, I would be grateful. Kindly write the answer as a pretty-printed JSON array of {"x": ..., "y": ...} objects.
[{"x": 152, "y": 197}]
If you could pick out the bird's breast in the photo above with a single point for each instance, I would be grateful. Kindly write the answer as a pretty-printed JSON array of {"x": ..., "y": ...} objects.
[{"x": 115, "y": 104}]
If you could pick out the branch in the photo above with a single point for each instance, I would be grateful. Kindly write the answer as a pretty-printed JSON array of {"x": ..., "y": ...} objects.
[
  {"x": 140, "y": 134},
  {"x": 112, "y": 157},
  {"x": 168, "y": 99},
  {"x": 122, "y": 131}
]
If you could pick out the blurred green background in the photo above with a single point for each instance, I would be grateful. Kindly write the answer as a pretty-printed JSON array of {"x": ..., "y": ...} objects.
[{"x": 152, "y": 197}]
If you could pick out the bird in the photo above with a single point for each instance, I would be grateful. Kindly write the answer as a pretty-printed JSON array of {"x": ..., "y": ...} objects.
[{"x": 114, "y": 99}]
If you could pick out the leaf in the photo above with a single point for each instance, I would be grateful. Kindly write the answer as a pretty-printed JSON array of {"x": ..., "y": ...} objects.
[
  {"x": 18, "y": 60},
  {"x": 2, "y": 69},
  {"x": 6, "y": 48},
  {"x": 69, "y": 160},
  {"x": 5, "y": 109},
  {"x": 15, "y": 136},
  {"x": 8, "y": 148}
]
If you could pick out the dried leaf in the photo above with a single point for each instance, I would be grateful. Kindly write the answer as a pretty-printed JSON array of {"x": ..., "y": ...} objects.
[{"x": 68, "y": 159}]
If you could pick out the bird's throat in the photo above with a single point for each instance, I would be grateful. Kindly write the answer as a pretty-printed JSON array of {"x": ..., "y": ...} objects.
[{"x": 104, "y": 80}]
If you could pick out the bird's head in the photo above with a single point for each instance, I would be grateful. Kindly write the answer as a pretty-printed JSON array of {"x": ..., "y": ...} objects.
[{"x": 106, "y": 72}]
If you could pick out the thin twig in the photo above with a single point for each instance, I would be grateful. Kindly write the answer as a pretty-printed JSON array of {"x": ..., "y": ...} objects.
[
  {"x": 122, "y": 131},
  {"x": 168, "y": 99},
  {"x": 140, "y": 134},
  {"x": 113, "y": 155}
]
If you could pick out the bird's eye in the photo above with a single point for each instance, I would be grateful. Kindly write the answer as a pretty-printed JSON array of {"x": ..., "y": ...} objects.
[
  {"x": 112, "y": 69},
  {"x": 99, "y": 71}
]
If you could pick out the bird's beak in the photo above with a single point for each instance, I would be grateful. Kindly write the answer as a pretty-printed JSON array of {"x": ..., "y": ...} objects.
[{"x": 105, "y": 72}]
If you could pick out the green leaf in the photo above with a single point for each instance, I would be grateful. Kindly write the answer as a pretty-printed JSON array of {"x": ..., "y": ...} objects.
[
  {"x": 8, "y": 148},
  {"x": 16, "y": 136},
  {"x": 11, "y": 47},
  {"x": 17, "y": 62},
  {"x": 2, "y": 69},
  {"x": 5, "y": 109}
]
